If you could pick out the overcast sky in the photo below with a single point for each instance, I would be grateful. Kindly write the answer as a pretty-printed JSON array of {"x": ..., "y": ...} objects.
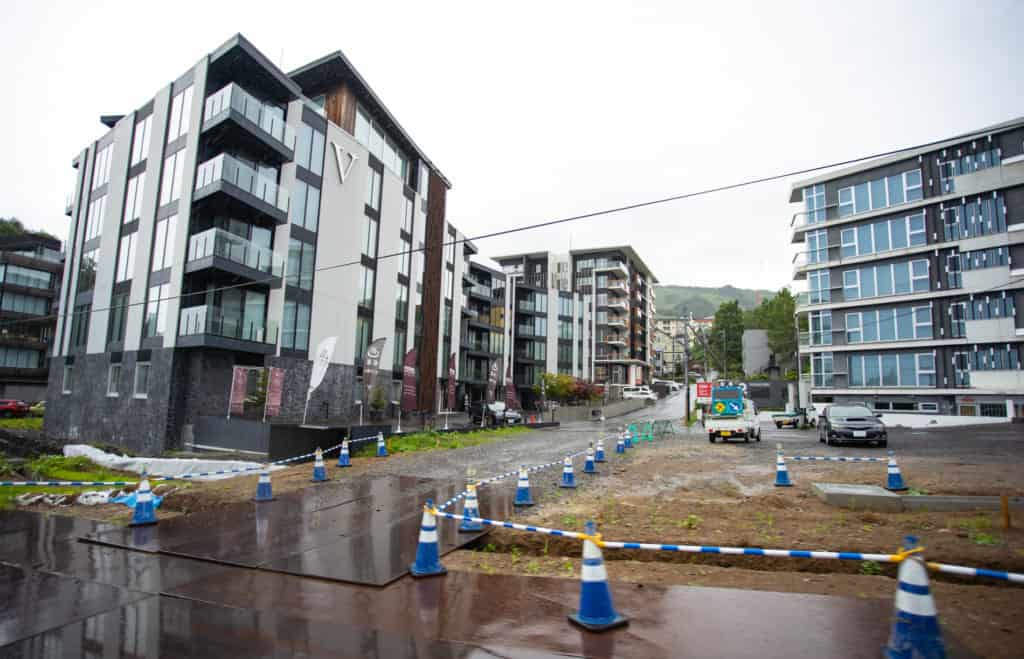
[{"x": 550, "y": 109}]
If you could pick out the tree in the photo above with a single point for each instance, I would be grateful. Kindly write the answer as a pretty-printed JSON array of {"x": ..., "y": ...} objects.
[
  {"x": 775, "y": 316},
  {"x": 726, "y": 339},
  {"x": 12, "y": 226}
]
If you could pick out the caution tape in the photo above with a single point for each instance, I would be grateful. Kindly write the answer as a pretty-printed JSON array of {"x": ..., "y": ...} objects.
[
  {"x": 1013, "y": 577},
  {"x": 831, "y": 458},
  {"x": 66, "y": 483}
]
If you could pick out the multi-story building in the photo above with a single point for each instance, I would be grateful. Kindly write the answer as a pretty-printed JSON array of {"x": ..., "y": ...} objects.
[
  {"x": 30, "y": 275},
  {"x": 607, "y": 340},
  {"x": 914, "y": 283},
  {"x": 239, "y": 218},
  {"x": 483, "y": 332},
  {"x": 669, "y": 346}
]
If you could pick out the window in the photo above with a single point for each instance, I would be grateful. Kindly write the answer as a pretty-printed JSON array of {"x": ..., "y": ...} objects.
[
  {"x": 364, "y": 327},
  {"x": 565, "y": 306},
  {"x": 991, "y": 306},
  {"x": 118, "y": 318},
  {"x": 851, "y": 285},
  {"x": 817, "y": 246},
  {"x": 992, "y": 409},
  {"x": 133, "y": 198},
  {"x": 957, "y": 318},
  {"x": 22, "y": 276},
  {"x": 405, "y": 257},
  {"x": 984, "y": 258},
  {"x": 163, "y": 243},
  {"x": 367, "y": 278},
  {"x": 79, "y": 324},
  {"x": 853, "y": 328},
  {"x": 373, "y": 184},
  {"x": 919, "y": 275},
  {"x": 922, "y": 322},
  {"x": 845, "y": 202},
  {"x": 886, "y": 279},
  {"x": 398, "y": 355},
  {"x": 848, "y": 242},
  {"x": 309, "y": 149},
  {"x": 961, "y": 369},
  {"x": 156, "y": 310},
  {"x": 966, "y": 164},
  {"x": 141, "y": 389},
  {"x": 295, "y": 332},
  {"x": 65, "y": 386},
  {"x": 424, "y": 181},
  {"x": 370, "y": 236},
  {"x": 926, "y": 370},
  {"x": 20, "y": 358},
  {"x": 101, "y": 166},
  {"x": 113, "y": 380},
  {"x": 87, "y": 270},
  {"x": 977, "y": 217},
  {"x": 821, "y": 327},
  {"x": 407, "y": 215},
  {"x": 371, "y": 135},
  {"x": 822, "y": 369},
  {"x": 170, "y": 185},
  {"x": 362, "y": 127},
  {"x": 181, "y": 112},
  {"x": 300, "y": 264},
  {"x": 814, "y": 201},
  {"x": 401, "y": 302},
  {"x": 565, "y": 329},
  {"x": 126, "y": 257},
  {"x": 94, "y": 219},
  {"x": 449, "y": 283},
  {"x": 140, "y": 140},
  {"x": 880, "y": 193},
  {"x": 1004, "y": 357},
  {"x": 892, "y": 369},
  {"x": 819, "y": 287},
  {"x": 305, "y": 205}
]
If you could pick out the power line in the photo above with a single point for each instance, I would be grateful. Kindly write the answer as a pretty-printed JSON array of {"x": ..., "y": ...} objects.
[{"x": 527, "y": 227}]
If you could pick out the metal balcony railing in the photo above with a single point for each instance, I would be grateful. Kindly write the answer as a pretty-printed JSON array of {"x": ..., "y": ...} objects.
[
  {"x": 208, "y": 319},
  {"x": 269, "y": 118},
  {"x": 228, "y": 169},
  {"x": 226, "y": 245}
]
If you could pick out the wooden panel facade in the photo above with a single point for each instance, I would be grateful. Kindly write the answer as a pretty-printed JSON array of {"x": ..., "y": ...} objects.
[
  {"x": 340, "y": 106},
  {"x": 433, "y": 271}
]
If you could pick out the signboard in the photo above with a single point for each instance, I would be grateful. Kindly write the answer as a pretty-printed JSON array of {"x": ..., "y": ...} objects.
[
  {"x": 492, "y": 381},
  {"x": 451, "y": 382},
  {"x": 704, "y": 390},
  {"x": 275, "y": 387},
  {"x": 324, "y": 352},
  {"x": 371, "y": 364},
  {"x": 409, "y": 381},
  {"x": 239, "y": 382}
]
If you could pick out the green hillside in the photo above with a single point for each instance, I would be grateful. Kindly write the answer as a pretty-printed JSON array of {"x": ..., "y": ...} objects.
[{"x": 702, "y": 302}]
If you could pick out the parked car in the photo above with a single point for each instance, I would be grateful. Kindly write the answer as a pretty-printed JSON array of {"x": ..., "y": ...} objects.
[
  {"x": 641, "y": 392},
  {"x": 39, "y": 409},
  {"x": 851, "y": 423},
  {"x": 495, "y": 413},
  {"x": 9, "y": 408}
]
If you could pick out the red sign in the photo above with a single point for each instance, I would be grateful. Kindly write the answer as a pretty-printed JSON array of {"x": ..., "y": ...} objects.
[
  {"x": 239, "y": 381},
  {"x": 409, "y": 381},
  {"x": 275, "y": 386},
  {"x": 703, "y": 390},
  {"x": 451, "y": 382}
]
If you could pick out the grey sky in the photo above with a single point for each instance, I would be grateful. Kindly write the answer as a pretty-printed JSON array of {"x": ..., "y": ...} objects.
[{"x": 550, "y": 109}]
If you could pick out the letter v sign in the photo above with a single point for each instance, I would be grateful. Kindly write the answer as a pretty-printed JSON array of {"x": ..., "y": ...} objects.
[{"x": 339, "y": 154}]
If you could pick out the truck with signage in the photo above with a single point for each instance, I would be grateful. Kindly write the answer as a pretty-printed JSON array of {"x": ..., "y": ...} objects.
[{"x": 731, "y": 415}]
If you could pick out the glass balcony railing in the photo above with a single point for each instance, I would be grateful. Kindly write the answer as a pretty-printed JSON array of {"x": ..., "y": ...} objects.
[
  {"x": 480, "y": 346},
  {"x": 226, "y": 245},
  {"x": 208, "y": 319},
  {"x": 226, "y": 168},
  {"x": 480, "y": 289},
  {"x": 269, "y": 118}
]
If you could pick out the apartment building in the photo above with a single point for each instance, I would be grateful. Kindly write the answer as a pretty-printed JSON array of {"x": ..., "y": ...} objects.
[
  {"x": 238, "y": 218},
  {"x": 668, "y": 344},
  {"x": 30, "y": 274},
  {"x": 484, "y": 329},
  {"x": 914, "y": 277}
]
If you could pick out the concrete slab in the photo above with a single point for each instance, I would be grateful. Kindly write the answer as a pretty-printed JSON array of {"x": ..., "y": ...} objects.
[
  {"x": 861, "y": 497},
  {"x": 946, "y": 504}
]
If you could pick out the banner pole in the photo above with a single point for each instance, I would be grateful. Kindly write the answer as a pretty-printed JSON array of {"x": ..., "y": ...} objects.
[
  {"x": 266, "y": 396},
  {"x": 231, "y": 390},
  {"x": 305, "y": 409}
]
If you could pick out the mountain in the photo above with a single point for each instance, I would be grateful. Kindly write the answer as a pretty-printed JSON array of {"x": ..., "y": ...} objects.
[{"x": 676, "y": 301}]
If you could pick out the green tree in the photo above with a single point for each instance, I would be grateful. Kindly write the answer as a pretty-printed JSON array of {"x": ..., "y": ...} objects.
[
  {"x": 775, "y": 316},
  {"x": 726, "y": 339},
  {"x": 12, "y": 226}
]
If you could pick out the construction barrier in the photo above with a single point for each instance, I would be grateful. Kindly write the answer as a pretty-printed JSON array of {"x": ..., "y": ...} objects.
[{"x": 893, "y": 477}]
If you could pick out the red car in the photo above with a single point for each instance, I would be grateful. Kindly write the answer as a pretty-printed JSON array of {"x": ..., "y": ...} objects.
[{"x": 13, "y": 408}]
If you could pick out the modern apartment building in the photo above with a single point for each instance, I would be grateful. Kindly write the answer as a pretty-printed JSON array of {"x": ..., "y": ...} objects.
[
  {"x": 484, "y": 330},
  {"x": 238, "y": 218},
  {"x": 668, "y": 344},
  {"x": 913, "y": 267},
  {"x": 608, "y": 339},
  {"x": 30, "y": 276}
]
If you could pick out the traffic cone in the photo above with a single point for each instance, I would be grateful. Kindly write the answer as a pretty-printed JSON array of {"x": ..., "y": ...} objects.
[
  {"x": 620, "y": 446},
  {"x": 628, "y": 437},
  {"x": 632, "y": 435},
  {"x": 144, "y": 512},
  {"x": 523, "y": 497},
  {"x": 344, "y": 459},
  {"x": 599, "y": 453},
  {"x": 596, "y": 612},
  {"x": 781, "y": 473},
  {"x": 915, "y": 630},
  {"x": 894, "y": 479},
  {"x": 568, "y": 479},
  {"x": 428, "y": 562},
  {"x": 470, "y": 509},
  {"x": 382, "y": 448},
  {"x": 588, "y": 465},
  {"x": 263, "y": 489},
  {"x": 319, "y": 472}
]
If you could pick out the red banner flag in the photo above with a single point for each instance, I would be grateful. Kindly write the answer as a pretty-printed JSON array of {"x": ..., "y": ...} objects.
[
  {"x": 492, "y": 381},
  {"x": 409, "y": 381},
  {"x": 511, "y": 401},
  {"x": 451, "y": 382},
  {"x": 239, "y": 382},
  {"x": 275, "y": 387}
]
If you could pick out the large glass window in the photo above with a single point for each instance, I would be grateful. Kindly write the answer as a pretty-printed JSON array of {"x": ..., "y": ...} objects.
[
  {"x": 817, "y": 246},
  {"x": 880, "y": 193},
  {"x": 892, "y": 369},
  {"x": 405, "y": 257},
  {"x": 364, "y": 328},
  {"x": 295, "y": 326},
  {"x": 401, "y": 302},
  {"x": 370, "y": 236},
  {"x": 170, "y": 185},
  {"x": 821, "y": 327},
  {"x": 157, "y": 306},
  {"x": 814, "y": 201},
  {"x": 301, "y": 257},
  {"x": 818, "y": 283},
  {"x": 20, "y": 358},
  {"x": 305, "y": 205},
  {"x": 372, "y": 136},
  {"x": 118, "y": 317},
  {"x": 974, "y": 217},
  {"x": 886, "y": 279},
  {"x": 822, "y": 372},
  {"x": 87, "y": 270},
  {"x": 407, "y": 215},
  {"x": 126, "y": 257},
  {"x": 140, "y": 140},
  {"x": 373, "y": 185},
  {"x": 101, "y": 166},
  {"x": 1002, "y": 357},
  {"x": 28, "y": 304},
  {"x": 367, "y": 276},
  {"x": 22, "y": 276},
  {"x": 163, "y": 243},
  {"x": 94, "y": 219},
  {"x": 309, "y": 149},
  {"x": 133, "y": 198},
  {"x": 181, "y": 112}
]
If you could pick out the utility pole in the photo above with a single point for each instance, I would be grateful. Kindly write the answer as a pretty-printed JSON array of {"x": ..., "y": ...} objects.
[{"x": 686, "y": 365}]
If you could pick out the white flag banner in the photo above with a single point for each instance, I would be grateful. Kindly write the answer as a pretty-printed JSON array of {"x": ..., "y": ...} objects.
[{"x": 324, "y": 352}]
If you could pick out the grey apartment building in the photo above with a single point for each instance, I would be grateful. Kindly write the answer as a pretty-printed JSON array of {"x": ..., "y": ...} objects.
[
  {"x": 588, "y": 313},
  {"x": 238, "y": 218},
  {"x": 914, "y": 268}
]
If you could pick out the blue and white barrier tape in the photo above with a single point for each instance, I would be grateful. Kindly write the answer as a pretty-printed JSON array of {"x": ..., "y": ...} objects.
[
  {"x": 66, "y": 483},
  {"x": 1012, "y": 577},
  {"x": 510, "y": 525},
  {"x": 828, "y": 458}
]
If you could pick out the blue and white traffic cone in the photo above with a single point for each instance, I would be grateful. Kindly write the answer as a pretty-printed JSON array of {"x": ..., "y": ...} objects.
[
  {"x": 263, "y": 490},
  {"x": 319, "y": 472},
  {"x": 144, "y": 513},
  {"x": 596, "y": 612},
  {"x": 382, "y": 448},
  {"x": 599, "y": 453},
  {"x": 633, "y": 436},
  {"x": 344, "y": 460},
  {"x": 568, "y": 478},
  {"x": 894, "y": 479},
  {"x": 620, "y": 446},
  {"x": 781, "y": 473},
  {"x": 915, "y": 630},
  {"x": 523, "y": 497},
  {"x": 588, "y": 464},
  {"x": 470, "y": 508},
  {"x": 428, "y": 562},
  {"x": 628, "y": 437}
]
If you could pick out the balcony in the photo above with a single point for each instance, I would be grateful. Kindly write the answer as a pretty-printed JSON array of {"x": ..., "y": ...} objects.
[
  {"x": 240, "y": 188},
  {"x": 481, "y": 291},
  {"x": 232, "y": 114},
  {"x": 208, "y": 326},
  {"x": 524, "y": 331},
  {"x": 990, "y": 330},
  {"x": 476, "y": 345},
  {"x": 615, "y": 322},
  {"x": 986, "y": 279},
  {"x": 221, "y": 250},
  {"x": 526, "y": 355},
  {"x": 1010, "y": 381},
  {"x": 614, "y": 268},
  {"x": 622, "y": 307},
  {"x": 23, "y": 341},
  {"x": 613, "y": 339},
  {"x": 618, "y": 289}
]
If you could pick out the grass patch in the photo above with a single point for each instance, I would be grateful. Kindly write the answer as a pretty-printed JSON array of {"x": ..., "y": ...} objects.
[
  {"x": 58, "y": 468},
  {"x": 24, "y": 423},
  {"x": 977, "y": 529},
  {"x": 440, "y": 441},
  {"x": 870, "y": 568},
  {"x": 691, "y": 522}
]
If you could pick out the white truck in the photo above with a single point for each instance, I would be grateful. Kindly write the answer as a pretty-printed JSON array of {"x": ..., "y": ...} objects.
[{"x": 731, "y": 415}]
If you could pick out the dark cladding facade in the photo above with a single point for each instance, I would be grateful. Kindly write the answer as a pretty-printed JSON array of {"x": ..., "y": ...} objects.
[{"x": 913, "y": 266}]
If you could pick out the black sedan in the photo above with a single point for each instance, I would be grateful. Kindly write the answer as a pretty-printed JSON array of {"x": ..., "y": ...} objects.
[{"x": 851, "y": 423}]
